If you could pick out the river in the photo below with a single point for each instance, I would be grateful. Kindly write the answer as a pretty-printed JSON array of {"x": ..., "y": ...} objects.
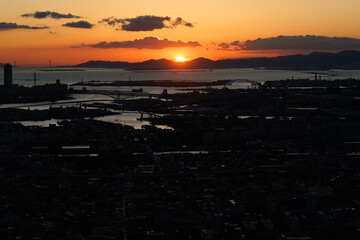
[{"x": 25, "y": 76}]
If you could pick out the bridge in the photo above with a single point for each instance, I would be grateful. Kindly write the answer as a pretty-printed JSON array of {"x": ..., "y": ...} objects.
[
  {"x": 252, "y": 82},
  {"x": 121, "y": 95}
]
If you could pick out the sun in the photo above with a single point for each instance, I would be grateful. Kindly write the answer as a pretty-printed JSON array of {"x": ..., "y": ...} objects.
[{"x": 180, "y": 59}]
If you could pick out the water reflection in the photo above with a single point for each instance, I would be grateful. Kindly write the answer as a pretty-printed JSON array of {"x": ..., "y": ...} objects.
[
  {"x": 130, "y": 118},
  {"x": 44, "y": 123}
]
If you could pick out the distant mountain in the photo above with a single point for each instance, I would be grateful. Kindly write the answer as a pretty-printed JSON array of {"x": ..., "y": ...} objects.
[
  {"x": 161, "y": 64},
  {"x": 316, "y": 60},
  {"x": 104, "y": 64}
]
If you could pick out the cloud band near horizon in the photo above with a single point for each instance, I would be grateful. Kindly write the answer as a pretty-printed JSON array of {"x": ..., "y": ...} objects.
[
  {"x": 145, "y": 43},
  {"x": 308, "y": 42}
]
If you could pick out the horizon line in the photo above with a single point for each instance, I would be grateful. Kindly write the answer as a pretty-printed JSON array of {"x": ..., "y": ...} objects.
[{"x": 73, "y": 65}]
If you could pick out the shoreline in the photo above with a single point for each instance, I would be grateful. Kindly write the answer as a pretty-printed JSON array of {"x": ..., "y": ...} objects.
[{"x": 156, "y": 83}]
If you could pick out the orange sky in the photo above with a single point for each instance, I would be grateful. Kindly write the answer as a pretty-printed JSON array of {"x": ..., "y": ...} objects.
[{"x": 214, "y": 22}]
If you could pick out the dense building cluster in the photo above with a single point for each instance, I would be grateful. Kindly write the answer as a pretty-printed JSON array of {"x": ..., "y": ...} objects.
[{"x": 280, "y": 161}]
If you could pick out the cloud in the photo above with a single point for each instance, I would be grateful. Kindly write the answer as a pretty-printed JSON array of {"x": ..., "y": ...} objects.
[
  {"x": 79, "y": 24},
  {"x": 147, "y": 42},
  {"x": 308, "y": 42},
  {"x": 9, "y": 26},
  {"x": 224, "y": 45},
  {"x": 45, "y": 14},
  {"x": 145, "y": 23},
  {"x": 180, "y": 21}
]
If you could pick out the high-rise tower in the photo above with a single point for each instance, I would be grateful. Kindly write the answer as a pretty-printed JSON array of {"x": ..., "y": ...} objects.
[{"x": 8, "y": 75}]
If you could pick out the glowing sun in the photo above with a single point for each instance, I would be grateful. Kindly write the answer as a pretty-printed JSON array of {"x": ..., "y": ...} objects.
[{"x": 180, "y": 59}]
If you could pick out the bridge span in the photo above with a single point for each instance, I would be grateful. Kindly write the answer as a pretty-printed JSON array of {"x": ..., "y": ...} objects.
[{"x": 121, "y": 95}]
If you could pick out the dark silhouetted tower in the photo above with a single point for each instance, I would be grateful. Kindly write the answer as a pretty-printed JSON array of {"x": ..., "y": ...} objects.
[{"x": 7, "y": 75}]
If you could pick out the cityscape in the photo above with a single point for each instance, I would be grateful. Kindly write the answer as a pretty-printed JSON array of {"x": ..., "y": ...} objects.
[
  {"x": 155, "y": 120},
  {"x": 278, "y": 160}
]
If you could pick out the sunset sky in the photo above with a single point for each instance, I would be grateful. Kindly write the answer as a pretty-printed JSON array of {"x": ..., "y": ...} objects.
[{"x": 73, "y": 31}]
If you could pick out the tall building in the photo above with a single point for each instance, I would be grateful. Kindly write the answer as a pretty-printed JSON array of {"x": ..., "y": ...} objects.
[{"x": 7, "y": 74}]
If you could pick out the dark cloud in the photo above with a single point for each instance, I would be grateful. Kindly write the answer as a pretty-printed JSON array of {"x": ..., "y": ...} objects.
[
  {"x": 148, "y": 43},
  {"x": 55, "y": 15},
  {"x": 145, "y": 23},
  {"x": 79, "y": 24},
  {"x": 112, "y": 21},
  {"x": 9, "y": 26},
  {"x": 308, "y": 42},
  {"x": 235, "y": 43},
  {"x": 224, "y": 45},
  {"x": 180, "y": 21}
]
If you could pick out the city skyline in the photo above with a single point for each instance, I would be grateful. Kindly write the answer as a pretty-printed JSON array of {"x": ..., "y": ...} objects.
[{"x": 71, "y": 33}]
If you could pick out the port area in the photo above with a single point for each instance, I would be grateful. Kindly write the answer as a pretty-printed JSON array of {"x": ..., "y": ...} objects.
[{"x": 48, "y": 92}]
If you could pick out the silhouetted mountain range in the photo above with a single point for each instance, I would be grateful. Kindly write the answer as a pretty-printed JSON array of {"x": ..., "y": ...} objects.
[{"x": 316, "y": 60}]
